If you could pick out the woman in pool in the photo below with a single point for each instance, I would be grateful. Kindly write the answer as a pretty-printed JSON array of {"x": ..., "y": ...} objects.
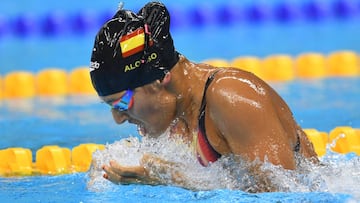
[{"x": 136, "y": 70}]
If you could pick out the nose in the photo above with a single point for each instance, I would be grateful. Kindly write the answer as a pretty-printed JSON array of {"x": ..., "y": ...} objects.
[{"x": 119, "y": 117}]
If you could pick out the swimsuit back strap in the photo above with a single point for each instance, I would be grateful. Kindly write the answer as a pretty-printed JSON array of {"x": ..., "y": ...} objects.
[
  {"x": 208, "y": 81},
  {"x": 208, "y": 152}
]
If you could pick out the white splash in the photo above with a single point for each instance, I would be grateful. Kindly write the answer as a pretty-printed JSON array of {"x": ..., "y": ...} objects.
[
  {"x": 120, "y": 5},
  {"x": 336, "y": 174}
]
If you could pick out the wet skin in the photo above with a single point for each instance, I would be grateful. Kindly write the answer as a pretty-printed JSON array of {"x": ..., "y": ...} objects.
[{"x": 244, "y": 116}]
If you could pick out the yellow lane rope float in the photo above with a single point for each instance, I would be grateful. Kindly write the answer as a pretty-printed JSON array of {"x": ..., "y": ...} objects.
[
  {"x": 55, "y": 160},
  {"x": 277, "y": 67}
]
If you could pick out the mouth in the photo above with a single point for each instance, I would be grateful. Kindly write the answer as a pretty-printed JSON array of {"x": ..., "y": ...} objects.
[
  {"x": 140, "y": 127},
  {"x": 141, "y": 130}
]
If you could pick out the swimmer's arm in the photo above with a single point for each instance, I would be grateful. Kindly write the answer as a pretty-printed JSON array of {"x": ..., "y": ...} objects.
[
  {"x": 152, "y": 170},
  {"x": 166, "y": 172},
  {"x": 119, "y": 174}
]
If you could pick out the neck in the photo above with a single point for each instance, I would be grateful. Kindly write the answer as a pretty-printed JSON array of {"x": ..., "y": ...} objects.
[{"x": 187, "y": 83}]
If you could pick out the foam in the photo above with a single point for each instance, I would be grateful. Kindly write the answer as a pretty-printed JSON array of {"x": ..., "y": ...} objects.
[{"x": 336, "y": 174}]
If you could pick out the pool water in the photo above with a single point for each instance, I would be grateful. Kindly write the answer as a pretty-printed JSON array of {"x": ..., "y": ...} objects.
[
  {"x": 67, "y": 122},
  {"x": 71, "y": 188}
]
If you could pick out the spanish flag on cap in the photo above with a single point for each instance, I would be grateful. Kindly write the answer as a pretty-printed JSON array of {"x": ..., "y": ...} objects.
[{"x": 133, "y": 42}]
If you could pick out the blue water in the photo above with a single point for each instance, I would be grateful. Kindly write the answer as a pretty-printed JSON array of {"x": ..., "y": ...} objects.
[
  {"x": 320, "y": 104},
  {"x": 197, "y": 44},
  {"x": 71, "y": 188},
  {"x": 68, "y": 122}
]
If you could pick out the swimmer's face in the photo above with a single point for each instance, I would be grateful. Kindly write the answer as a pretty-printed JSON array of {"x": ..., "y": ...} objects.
[{"x": 152, "y": 109}]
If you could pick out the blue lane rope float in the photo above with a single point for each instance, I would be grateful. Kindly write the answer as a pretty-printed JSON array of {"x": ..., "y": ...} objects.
[
  {"x": 55, "y": 160},
  {"x": 276, "y": 67},
  {"x": 54, "y": 23},
  {"x": 60, "y": 22},
  {"x": 3, "y": 26}
]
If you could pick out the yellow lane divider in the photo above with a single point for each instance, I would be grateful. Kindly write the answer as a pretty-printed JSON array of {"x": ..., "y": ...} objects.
[
  {"x": 318, "y": 139},
  {"x": 284, "y": 67},
  {"x": 15, "y": 161},
  {"x": 19, "y": 84},
  {"x": 344, "y": 63},
  {"x": 52, "y": 81},
  {"x": 310, "y": 65},
  {"x": 50, "y": 160},
  {"x": 277, "y": 67},
  {"x": 342, "y": 139},
  {"x": 249, "y": 63},
  {"x": 54, "y": 160},
  {"x": 47, "y": 82},
  {"x": 345, "y": 140}
]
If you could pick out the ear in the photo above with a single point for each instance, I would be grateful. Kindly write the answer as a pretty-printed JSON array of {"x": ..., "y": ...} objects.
[{"x": 167, "y": 78}]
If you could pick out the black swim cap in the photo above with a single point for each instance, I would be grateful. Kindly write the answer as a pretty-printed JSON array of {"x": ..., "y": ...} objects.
[{"x": 132, "y": 50}]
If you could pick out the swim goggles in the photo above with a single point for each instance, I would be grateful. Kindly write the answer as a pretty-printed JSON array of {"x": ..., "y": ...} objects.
[{"x": 125, "y": 102}]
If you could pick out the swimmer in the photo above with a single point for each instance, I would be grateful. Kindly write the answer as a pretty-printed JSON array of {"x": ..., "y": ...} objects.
[{"x": 136, "y": 70}]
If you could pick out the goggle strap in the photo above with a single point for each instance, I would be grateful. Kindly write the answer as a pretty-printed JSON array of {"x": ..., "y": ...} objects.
[{"x": 131, "y": 103}]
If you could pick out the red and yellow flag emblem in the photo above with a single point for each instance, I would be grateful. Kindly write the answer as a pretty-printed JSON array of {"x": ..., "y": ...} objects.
[{"x": 132, "y": 43}]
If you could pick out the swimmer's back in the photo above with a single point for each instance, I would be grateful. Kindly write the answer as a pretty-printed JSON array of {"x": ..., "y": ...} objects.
[{"x": 262, "y": 122}]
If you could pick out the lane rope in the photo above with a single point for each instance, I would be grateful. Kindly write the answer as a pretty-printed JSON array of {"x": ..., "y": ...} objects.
[
  {"x": 56, "y": 160},
  {"x": 276, "y": 67},
  {"x": 61, "y": 22}
]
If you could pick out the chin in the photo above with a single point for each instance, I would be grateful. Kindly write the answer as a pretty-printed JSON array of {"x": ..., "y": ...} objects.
[
  {"x": 152, "y": 133},
  {"x": 156, "y": 134}
]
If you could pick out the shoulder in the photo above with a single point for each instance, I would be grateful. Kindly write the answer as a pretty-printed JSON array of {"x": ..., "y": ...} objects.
[
  {"x": 229, "y": 83},
  {"x": 236, "y": 100},
  {"x": 235, "y": 93}
]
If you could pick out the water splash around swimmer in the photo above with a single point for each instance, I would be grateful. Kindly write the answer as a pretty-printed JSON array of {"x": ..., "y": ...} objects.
[{"x": 227, "y": 173}]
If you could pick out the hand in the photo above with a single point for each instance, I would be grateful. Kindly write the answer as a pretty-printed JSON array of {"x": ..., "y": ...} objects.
[
  {"x": 126, "y": 174},
  {"x": 149, "y": 164}
]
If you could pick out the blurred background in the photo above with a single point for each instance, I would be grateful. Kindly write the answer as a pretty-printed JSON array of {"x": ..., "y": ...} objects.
[{"x": 39, "y": 34}]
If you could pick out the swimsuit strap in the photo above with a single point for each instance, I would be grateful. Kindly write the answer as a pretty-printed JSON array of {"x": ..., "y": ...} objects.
[
  {"x": 209, "y": 153},
  {"x": 208, "y": 81},
  {"x": 297, "y": 146}
]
